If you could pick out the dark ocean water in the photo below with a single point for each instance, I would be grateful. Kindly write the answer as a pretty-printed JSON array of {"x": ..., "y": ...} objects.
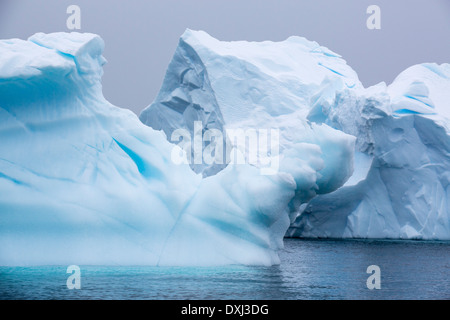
[{"x": 310, "y": 269}]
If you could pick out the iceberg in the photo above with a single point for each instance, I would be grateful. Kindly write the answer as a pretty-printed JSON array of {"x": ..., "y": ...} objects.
[
  {"x": 246, "y": 142},
  {"x": 84, "y": 182},
  {"x": 391, "y": 182}
]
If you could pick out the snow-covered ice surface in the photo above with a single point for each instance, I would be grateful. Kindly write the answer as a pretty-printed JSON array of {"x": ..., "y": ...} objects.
[
  {"x": 400, "y": 182},
  {"x": 84, "y": 182}
]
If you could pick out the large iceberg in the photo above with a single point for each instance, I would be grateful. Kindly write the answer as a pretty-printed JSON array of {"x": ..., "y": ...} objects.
[
  {"x": 84, "y": 182},
  {"x": 250, "y": 142},
  {"x": 399, "y": 179}
]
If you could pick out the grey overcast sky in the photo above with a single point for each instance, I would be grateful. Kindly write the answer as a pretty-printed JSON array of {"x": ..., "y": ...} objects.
[{"x": 141, "y": 36}]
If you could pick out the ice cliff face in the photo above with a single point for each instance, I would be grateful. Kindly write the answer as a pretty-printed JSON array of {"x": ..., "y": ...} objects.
[
  {"x": 84, "y": 182},
  {"x": 250, "y": 85},
  {"x": 400, "y": 184},
  {"x": 228, "y": 86}
]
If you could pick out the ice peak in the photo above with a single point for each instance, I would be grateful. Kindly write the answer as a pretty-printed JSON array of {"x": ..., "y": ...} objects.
[{"x": 52, "y": 56}]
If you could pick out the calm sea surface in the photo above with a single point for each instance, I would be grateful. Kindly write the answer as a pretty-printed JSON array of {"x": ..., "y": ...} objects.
[{"x": 310, "y": 269}]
